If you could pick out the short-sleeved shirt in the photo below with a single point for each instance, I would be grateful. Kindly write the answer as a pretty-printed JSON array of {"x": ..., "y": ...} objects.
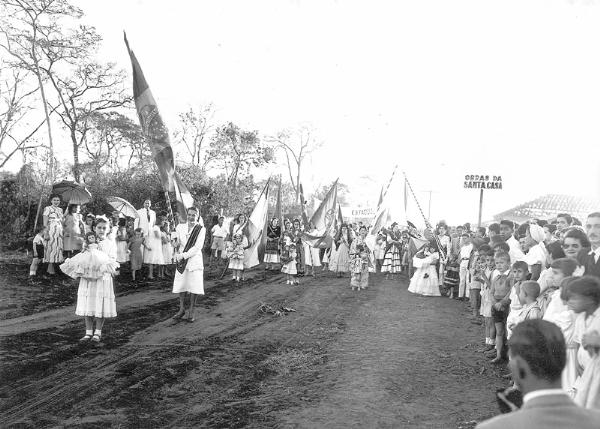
[{"x": 219, "y": 231}]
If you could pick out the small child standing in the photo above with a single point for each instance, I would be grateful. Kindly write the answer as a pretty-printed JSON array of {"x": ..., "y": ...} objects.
[
  {"x": 38, "y": 252},
  {"x": 463, "y": 274},
  {"x": 235, "y": 252},
  {"x": 500, "y": 293},
  {"x": 288, "y": 258},
  {"x": 167, "y": 249},
  {"x": 135, "y": 248},
  {"x": 359, "y": 267},
  {"x": 487, "y": 302},
  {"x": 520, "y": 272},
  {"x": 425, "y": 279},
  {"x": 122, "y": 254},
  {"x": 475, "y": 286},
  {"x": 379, "y": 251},
  {"x": 153, "y": 254},
  {"x": 529, "y": 291}
]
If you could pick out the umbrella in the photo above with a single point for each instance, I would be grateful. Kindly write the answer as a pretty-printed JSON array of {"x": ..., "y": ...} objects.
[
  {"x": 123, "y": 206},
  {"x": 72, "y": 192}
]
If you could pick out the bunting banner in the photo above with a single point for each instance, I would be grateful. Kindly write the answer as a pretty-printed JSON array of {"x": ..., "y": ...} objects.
[
  {"x": 154, "y": 130},
  {"x": 256, "y": 230}
]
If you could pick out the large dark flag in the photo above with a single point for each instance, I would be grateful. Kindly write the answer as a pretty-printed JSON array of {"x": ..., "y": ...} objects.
[
  {"x": 324, "y": 219},
  {"x": 157, "y": 136},
  {"x": 153, "y": 127}
]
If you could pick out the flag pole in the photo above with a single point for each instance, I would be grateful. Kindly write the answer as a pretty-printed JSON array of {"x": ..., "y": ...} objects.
[{"x": 427, "y": 223}]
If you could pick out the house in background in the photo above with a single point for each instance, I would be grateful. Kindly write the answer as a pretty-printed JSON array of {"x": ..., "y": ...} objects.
[{"x": 548, "y": 206}]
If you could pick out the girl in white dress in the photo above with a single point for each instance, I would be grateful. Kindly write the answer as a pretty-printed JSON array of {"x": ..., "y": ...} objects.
[
  {"x": 235, "y": 253},
  {"x": 288, "y": 259},
  {"x": 96, "y": 296},
  {"x": 122, "y": 244},
  {"x": 153, "y": 254},
  {"x": 425, "y": 279},
  {"x": 167, "y": 249}
]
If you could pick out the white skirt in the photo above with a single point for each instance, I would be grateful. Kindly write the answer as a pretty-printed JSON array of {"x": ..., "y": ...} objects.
[
  {"x": 312, "y": 256},
  {"x": 96, "y": 298},
  {"x": 189, "y": 281},
  {"x": 154, "y": 256},
  {"x": 122, "y": 255},
  {"x": 422, "y": 285},
  {"x": 272, "y": 258}
]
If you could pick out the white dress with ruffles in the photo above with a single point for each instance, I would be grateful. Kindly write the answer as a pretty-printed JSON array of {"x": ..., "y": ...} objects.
[{"x": 96, "y": 297}]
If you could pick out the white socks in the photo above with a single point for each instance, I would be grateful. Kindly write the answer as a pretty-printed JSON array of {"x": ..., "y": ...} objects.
[
  {"x": 89, "y": 332},
  {"x": 98, "y": 332}
]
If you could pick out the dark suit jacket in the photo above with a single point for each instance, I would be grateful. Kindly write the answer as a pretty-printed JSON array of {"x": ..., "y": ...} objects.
[
  {"x": 546, "y": 412},
  {"x": 592, "y": 268}
]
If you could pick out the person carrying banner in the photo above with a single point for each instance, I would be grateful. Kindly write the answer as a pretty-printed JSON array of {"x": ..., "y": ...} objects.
[{"x": 189, "y": 276}]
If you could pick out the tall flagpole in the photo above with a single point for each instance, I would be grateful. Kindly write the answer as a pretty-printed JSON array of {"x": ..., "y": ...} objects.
[{"x": 427, "y": 223}]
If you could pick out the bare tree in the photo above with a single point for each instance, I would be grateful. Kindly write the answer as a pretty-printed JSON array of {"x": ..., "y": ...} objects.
[
  {"x": 17, "y": 123},
  {"x": 194, "y": 128},
  {"x": 25, "y": 26},
  {"x": 90, "y": 89},
  {"x": 42, "y": 37},
  {"x": 297, "y": 144}
]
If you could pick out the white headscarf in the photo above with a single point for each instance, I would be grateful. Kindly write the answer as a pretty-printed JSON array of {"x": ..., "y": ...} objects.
[{"x": 537, "y": 233}]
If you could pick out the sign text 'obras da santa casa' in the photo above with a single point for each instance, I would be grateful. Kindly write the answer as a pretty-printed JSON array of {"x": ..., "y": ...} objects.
[{"x": 476, "y": 181}]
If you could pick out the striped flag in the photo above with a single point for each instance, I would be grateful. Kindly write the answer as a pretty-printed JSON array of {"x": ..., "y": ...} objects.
[{"x": 323, "y": 219}]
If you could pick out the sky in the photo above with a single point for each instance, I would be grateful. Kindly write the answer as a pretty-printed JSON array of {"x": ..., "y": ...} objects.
[{"x": 440, "y": 88}]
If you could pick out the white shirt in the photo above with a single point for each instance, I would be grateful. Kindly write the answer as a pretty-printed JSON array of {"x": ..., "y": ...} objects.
[
  {"x": 542, "y": 392},
  {"x": 536, "y": 255},
  {"x": 596, "y": 254},
  {"x": 465, "y": 255},
  {"x": 219, "y": 231},
  {"x": 515, "y": 252}
]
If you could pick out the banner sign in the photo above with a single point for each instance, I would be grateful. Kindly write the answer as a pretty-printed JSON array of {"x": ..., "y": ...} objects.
[
  {"x": 362, "y": 212},
  {"x": 476, "y": 181}
]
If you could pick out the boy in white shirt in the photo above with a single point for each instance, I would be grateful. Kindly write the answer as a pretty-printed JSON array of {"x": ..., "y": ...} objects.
[
  {"x": 218, "y": 235},
  {"x": 463, "y": 274}
]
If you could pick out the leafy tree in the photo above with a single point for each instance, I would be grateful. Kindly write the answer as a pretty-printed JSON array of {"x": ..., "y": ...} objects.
[
  {"x": 236, "y": 151},
  {"x": 116, "y": 142}
]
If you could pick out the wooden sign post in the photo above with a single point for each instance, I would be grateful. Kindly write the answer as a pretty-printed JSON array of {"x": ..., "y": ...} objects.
[{"x": 481, "y": 182}]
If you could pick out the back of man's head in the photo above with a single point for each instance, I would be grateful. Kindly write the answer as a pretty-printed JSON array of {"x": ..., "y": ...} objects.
[{"x": 541, "y": 345}]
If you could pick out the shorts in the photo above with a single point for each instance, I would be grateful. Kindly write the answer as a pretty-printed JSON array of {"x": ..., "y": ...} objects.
[
  {"x": 218, "y": 244},
  {"x": 499, "y": 316},
  {"x": 40, "y": 251}
]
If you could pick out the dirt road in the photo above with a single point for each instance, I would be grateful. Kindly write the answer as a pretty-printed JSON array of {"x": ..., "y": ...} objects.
[{"x": 375, "y": 358}]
